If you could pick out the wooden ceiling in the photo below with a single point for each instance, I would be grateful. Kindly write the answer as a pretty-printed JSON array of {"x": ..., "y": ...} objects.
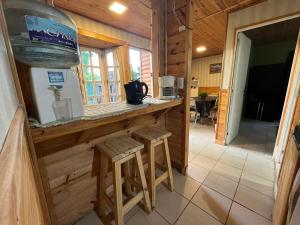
[
  {"x": 210, "y": 23},
  {"x": 136, "y": 19},
  {"x": 278, "y": 32},
  {"x": 210, "y": 18}
]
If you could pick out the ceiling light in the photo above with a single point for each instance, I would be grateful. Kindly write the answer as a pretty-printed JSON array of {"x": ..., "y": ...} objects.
[
  {"x": 201, "y": 49},
  {"x": 117, "y": 8}
]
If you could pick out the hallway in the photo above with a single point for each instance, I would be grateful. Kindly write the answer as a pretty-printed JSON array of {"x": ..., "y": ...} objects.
[{"x": 236, "y": 181}]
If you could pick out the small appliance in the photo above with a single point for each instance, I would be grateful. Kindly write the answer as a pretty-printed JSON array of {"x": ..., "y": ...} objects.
[
  {"x": 56, "y": 94},
  {"x": 167, "y": 88},
  {"x": 135, "y": 92}
]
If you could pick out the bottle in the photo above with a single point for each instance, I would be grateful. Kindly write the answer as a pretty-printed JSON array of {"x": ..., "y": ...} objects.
[
  {"x": 62, "y": 107},
  {"x": 41, "y": 35}
]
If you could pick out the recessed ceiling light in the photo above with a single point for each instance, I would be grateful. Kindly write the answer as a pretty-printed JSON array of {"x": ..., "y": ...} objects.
[
  {"x": 118, "y": 8},
  {"x": 201, "y": 49}
]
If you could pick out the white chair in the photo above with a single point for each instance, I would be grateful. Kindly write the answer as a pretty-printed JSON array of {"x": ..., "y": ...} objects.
[{"x": 193, "y": 110}]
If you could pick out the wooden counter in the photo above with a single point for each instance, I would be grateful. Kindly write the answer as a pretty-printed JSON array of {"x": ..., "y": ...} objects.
[
  {"x": 67, "y": 159},
  {"x": 42, "y": 134}
]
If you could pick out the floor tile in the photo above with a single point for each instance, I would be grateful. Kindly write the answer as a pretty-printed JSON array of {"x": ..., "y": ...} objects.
[
  {"x": 192, "y": 155},
  {"x": 255, "y": 201},
  {"x": 197, "y": 145},
  {"x": 240, "y": 215},
  {"x": 132, "y": 212},
  {"x": 228, "y": 171},
  {"x": 257, "y": 183},
  {"x": 197, "y": 172},
  {"x": 213, "y": 151},
  {"x": 232, "y": 160},
  {"x": 90, "y": 219},
  {"x": 213, "y": 203},
  {"x": 170, "y": 204},
  {"x": 146, "y": 219},
  {"x": 236, "y": 151},
  {"x": 204, "y": 161},
  {"x": 186, "y": 186},
  {"x": 193, "y": 215},
  {"x": 221, "y": 184},
  {"x": 259, "y": 170}
]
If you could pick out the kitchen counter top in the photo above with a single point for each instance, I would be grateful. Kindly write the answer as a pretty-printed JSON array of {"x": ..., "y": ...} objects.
[{"x": 97, "y": 115}]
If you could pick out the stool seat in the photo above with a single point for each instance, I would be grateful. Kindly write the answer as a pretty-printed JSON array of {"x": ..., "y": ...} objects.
[
  {"x": 152, "y": 134},
  {"x": 120, "y": 147}
]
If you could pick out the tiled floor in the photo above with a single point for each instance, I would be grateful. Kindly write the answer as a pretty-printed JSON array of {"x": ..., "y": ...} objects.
[{"x": 230, "y": 185}]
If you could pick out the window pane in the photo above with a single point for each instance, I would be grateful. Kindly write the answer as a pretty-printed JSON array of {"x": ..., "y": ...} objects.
[
  {"x": 91, "y": 100},
  {"x": 135, "y": 64},
  {"x": 99, "y": 99},
  {"x": 111, "y": 74},
  {"x": 89, "y": 89},
  {"x": 112, "y": 88},
  {"x": 87, "y": 72},
  {"x": 98, "y": 89},
  {"x": 95, "y": 58},
  {"x": 110, "y": 59},
  {"x": 85, "y": 56},
  {"x": 97, "y": 75},
  {"x": 113, "y": 98}
]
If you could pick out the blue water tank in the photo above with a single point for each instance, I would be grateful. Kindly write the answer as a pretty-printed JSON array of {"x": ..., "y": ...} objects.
[{"x": 41, "y": 35}]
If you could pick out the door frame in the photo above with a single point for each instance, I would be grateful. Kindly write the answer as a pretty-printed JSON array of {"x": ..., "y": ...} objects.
[{"x": 233, "y": 55}]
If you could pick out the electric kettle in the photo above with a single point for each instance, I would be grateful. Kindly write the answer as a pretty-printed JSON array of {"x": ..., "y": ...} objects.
[{"x": 135, "y": 92}]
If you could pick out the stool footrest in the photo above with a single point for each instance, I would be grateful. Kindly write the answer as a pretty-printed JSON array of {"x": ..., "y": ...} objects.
[
  {"x": 132, "y": 202},
  {"x": 161, "y": 178}
]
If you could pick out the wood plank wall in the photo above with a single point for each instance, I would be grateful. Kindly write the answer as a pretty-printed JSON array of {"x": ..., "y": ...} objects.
[
  {"x": 20, "y": 201},
  {"x": 69, "y": 169},
  {"x": 178, "y": 64},
  {"x": 222, "y": 116}
]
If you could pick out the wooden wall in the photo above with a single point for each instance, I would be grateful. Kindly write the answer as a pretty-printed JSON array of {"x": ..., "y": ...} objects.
[
  {"x": 178, "y": 64},
  {"x": 222, "y": 116},
  {"x": 69, "y": 167},
  {"x": 20, "y": 201}
]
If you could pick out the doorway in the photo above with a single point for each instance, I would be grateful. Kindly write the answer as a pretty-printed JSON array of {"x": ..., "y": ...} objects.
[{"x": 262, "y": 66}]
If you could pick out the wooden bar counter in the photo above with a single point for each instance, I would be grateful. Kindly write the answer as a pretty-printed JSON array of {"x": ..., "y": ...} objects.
[{"x": 68, "y": 162}]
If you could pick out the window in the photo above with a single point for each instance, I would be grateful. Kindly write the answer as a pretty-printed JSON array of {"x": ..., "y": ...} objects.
[
  {"x": 100, "y": 76},
  {"x": 92, "y": 76},
  {"x": 114, "y": 83},
  {"x": 141, "y": 67}
]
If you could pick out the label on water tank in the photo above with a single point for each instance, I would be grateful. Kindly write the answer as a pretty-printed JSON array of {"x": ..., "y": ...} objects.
[
  {"x": 47, "y": 30},
  {"x": 56, "y": 77}
]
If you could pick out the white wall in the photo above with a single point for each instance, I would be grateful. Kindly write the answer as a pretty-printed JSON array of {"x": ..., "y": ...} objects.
[
  {"x": 98, "y": 27},
  {"x": 8, "y": 98},
  {"x": 200, "y": 70},
  {"x": 261, "y": 12}
]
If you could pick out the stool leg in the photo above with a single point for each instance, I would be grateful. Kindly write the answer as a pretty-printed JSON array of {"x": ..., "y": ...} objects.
[
  {"x": 167, "y": 154},
  {"x": 141, "y": 172},
  {"x": 127, "y": 178},
  {"x": 133, "y": 174},
  {"x": 102, "y": 183},
  {"x": 117, "y": 181},
  {"x": 151, "y": 173}
]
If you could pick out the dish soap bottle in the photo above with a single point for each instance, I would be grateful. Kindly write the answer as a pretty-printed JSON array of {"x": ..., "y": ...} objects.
[{"x": 62, "y": 107}]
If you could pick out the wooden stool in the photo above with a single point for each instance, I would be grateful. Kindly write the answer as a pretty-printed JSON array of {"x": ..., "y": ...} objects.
[
  {"x": 153, "y": 137},
  {"x": 120, "y": 150}
]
